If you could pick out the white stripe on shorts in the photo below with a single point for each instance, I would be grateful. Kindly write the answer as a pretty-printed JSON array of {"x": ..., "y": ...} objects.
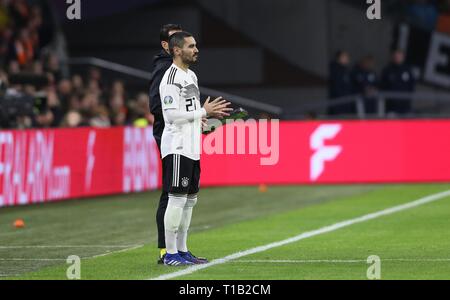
[
  {"x": 174, "y": 168},
  {"x": 176, "y": 171}
]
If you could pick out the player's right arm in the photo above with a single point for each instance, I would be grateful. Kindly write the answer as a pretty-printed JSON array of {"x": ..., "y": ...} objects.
[{"x": 175, "y": 114}]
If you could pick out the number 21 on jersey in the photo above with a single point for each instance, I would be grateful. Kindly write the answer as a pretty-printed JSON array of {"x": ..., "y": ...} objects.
[{"x": 190, "y": 104}]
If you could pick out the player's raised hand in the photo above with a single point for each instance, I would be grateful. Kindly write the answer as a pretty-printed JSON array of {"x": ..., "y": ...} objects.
[
  {"x": 204, "y": 123},
  {"x": 218, "y": 108}
]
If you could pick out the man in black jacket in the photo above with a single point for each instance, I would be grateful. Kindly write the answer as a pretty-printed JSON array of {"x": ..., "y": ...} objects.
[
  {"x": 365, "y": 82},
  {"x": 398, "y": 77},
  {"x": 340, "y": 84},
  {"x": 161, "y": 64}
]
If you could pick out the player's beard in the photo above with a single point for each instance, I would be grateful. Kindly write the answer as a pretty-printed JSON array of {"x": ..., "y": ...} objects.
[{"x": 189, "y": 60}]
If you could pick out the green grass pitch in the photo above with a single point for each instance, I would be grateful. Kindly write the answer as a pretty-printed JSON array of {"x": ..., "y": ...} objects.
[{"x": 115, "y": 236}]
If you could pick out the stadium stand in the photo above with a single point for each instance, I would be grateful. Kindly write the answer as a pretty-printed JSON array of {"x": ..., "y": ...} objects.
[
  {"x": 42, "y": 88},
  {"x": 37, "y": 91}
]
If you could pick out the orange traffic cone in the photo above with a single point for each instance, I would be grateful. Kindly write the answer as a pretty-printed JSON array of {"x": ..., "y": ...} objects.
[
  {"x": 19, "y": 223},
  {"x": 262, "y": 188}
]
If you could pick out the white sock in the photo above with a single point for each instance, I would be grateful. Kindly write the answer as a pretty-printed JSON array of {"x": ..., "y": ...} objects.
[
  {"x": 185, "y": 223},
  {"x": 172, "y": 220},
  {"x": 182, "y": 231}
]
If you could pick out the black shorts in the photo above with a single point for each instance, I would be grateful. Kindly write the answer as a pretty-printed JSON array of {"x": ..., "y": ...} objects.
[{"x": 181, "y": 175}]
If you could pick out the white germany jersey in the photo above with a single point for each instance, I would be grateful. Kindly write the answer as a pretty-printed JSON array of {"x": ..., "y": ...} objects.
[{"x": 180, "y": 96}]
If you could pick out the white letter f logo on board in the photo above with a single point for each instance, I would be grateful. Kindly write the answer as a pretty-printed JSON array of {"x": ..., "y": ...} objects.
[{"x": 323, "y": 153}]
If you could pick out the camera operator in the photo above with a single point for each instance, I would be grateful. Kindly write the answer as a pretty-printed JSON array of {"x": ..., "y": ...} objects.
[{"x": 21, "y": 106}]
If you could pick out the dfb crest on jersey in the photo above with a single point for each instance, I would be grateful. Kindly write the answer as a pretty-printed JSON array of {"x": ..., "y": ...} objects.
[
  {"x": 185, "y": 182},
  {"x": 168, "y": 100}
]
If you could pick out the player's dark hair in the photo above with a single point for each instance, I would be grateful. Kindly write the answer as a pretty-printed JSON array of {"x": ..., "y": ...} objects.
[
  {"x": 165, "y": 29},
  {"x": 177, "y": 40}
]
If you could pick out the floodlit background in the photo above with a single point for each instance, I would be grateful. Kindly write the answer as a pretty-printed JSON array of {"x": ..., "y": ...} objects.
[
  {"x": 75, "y": 125},
  {"x": 275, "y": 59}
]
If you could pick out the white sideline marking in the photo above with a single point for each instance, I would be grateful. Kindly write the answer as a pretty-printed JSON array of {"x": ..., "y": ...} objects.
[
  {"x": 281, "y": 261},
  {"x": 32, "y": 259},
  {"x": 66, "y": 246},
  {"x": 60, "y": 259},
  {"x": 305, "y": 235},
  {"x": 312, "y": 261},
  {"x": 114, "y": 252}
]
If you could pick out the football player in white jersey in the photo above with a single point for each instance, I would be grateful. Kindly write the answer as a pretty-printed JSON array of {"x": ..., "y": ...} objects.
[{"x": 181, "y": 144}]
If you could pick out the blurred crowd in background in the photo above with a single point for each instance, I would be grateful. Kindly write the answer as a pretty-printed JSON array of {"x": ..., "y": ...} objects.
[
  {"x": 424, "y": 14},
  {"x": 30, "y": 69}
]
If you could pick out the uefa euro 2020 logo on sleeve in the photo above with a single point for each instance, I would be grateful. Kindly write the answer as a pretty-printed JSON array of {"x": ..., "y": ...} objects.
[{"x": 168, "y": 100}]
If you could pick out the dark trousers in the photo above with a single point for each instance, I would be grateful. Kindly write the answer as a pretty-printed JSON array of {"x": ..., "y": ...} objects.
[{"x": 163, "y": 201}]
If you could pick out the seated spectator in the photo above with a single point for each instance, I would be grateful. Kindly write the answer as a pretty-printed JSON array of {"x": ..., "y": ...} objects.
[
  {"x": 72, "y": 119},
  {"x": 119, "y": 111},
  {"x": 13, "y": 67},
  {"x": 44, "y": 119},
  {"x": 100, "y": 118},
  {"x": 90, "y": 102},
  {"x": 118, "y": 88},
  {"x": 64, "y": 91},
  {"x": 53, "y": 66},
  {"x": 143, "y": 107},
  {"x": 93, "y": 87},
  {"x": 118, "y": 118},
  {"x": 74, "y": 103},
  {"x": 23, "y": 48},
  {"x": 6, "y": 36},
  {"x": 136, "y": 115},
  {"x": 37, "y": 68},
  {"x": 24, "y": 122},
  {"x": 77, "y": 84},
  {"x": 3, "y": 76},
  {"x": 35, "y": 24},
  {"x": 20, "y": 12},
  {"x": 95, "y": 74},
  {"x": 54, "y": 105},
  {"x": 139, "y": 111}
]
